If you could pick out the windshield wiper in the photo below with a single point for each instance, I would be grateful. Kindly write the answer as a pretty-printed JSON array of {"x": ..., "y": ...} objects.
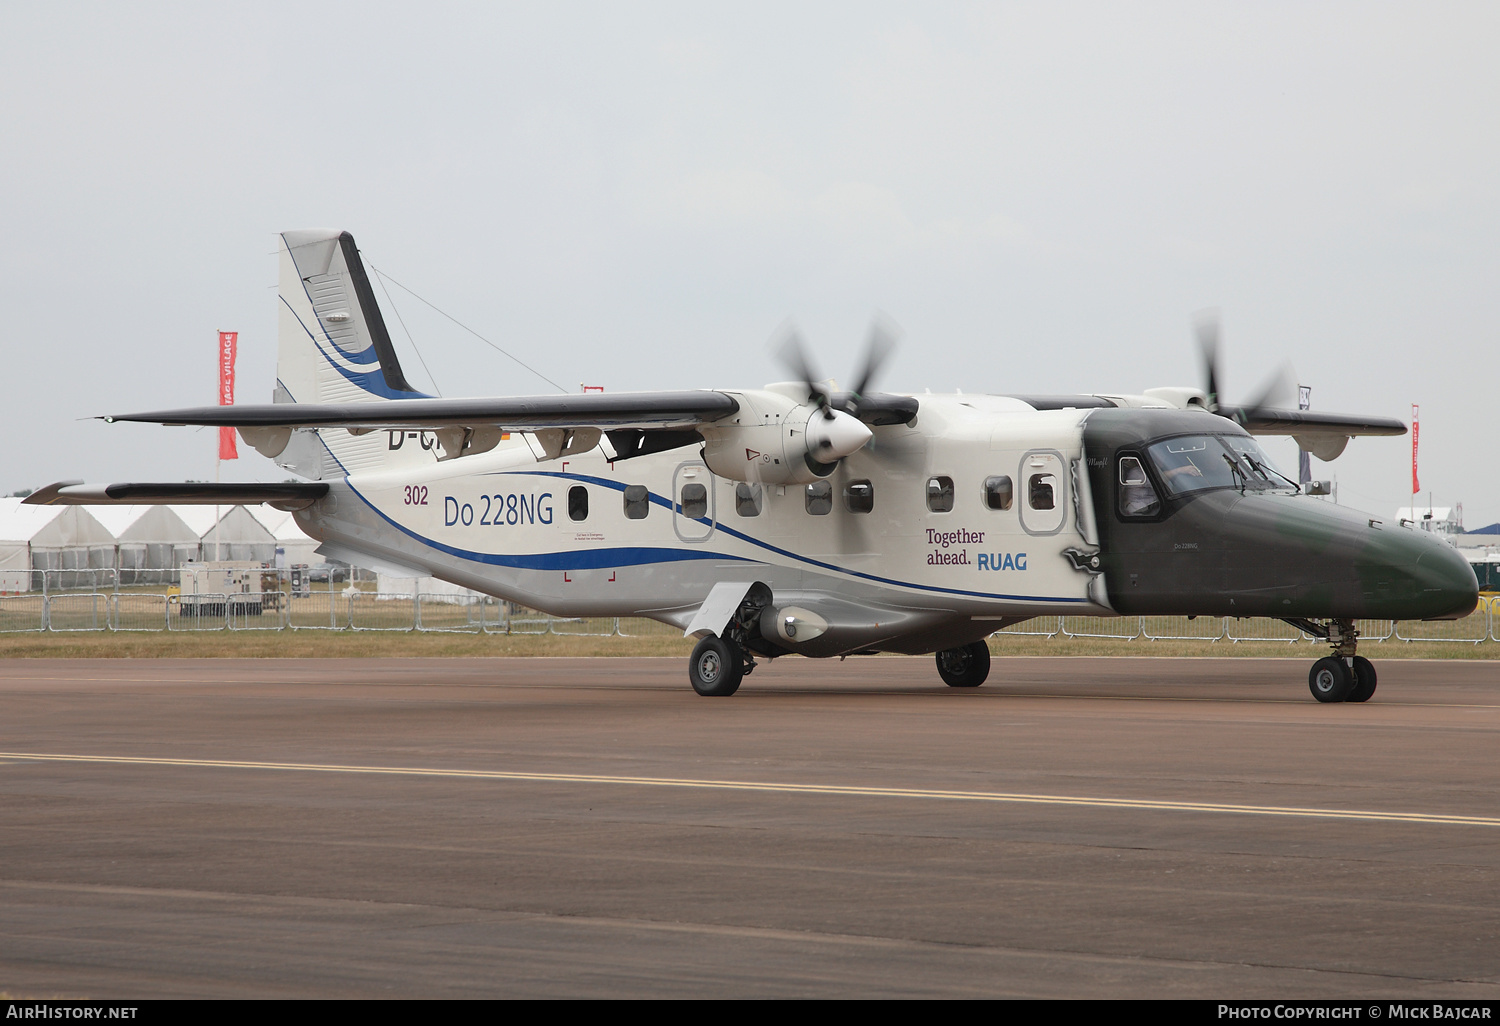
[
  {"x": 1264, "y": 469},
  {"x": 1235, "y": 471}
]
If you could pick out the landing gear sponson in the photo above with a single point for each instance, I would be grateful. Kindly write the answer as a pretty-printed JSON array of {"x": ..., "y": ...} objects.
[{"x": 1342, "y": 676}]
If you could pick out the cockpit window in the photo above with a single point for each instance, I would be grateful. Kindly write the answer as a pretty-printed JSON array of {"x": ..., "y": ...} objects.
[
  {"x": 1198, "y": 462},
  {"x": 1137, "y": 495}
]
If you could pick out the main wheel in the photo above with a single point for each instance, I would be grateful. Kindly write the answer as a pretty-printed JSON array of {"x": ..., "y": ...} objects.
[
  {"x": 1364, "y": 680},
  {"x": 715, "y": 668},
  {"x": 965, "y": 667},
  {"x": 1330, "y": 680}
]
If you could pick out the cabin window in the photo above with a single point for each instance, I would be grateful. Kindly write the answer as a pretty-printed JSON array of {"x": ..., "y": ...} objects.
[
  {"x": 819, "y": 498},
  {"x": 748, "y": 499},
  {"x": 637, "y": 502},
  {"x": 1041, "y": 491},
  {"x": 694, "y": 501},
  {"x": 1137, "y": 495},
  {"x": 859, "y": 497},
  {"x": 998, "y": 492},
  {"x": 940, "y": 494},
  {"x": 578, "y": 503}
]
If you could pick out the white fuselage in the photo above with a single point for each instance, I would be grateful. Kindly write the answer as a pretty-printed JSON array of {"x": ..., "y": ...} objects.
[{"x": 504, "y": 523}]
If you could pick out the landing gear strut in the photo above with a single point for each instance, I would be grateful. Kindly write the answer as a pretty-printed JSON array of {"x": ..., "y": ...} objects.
[
  {"x": 964, "y": 667},
  {"x": 719, "y": 664},
  {"x": 1342, "y": 676}
]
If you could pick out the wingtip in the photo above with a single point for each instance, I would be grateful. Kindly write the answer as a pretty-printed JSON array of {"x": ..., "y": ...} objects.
[{"x": 48, "y": 495}]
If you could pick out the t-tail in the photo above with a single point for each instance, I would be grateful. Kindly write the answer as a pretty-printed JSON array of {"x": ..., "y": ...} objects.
[{"x": 333, "y": 347}]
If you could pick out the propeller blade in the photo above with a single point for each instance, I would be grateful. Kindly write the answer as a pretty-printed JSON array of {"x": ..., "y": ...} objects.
[
  {"x": 1206, "y": 325},
  {"x": 793, "y": 354},
  {"x": 884, "y": 334},
  {"x": 1277, "y": 392}
]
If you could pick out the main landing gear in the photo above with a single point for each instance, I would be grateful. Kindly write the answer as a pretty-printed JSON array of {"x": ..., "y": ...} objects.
[
  {"x": 964, "y": 667},
  {"x": 1342, "y": 676},
  {"x": 717, "y": 666}
]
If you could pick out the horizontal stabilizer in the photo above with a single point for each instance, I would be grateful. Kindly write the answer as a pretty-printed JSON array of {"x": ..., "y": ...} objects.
[{"x": 285, "y": 495}]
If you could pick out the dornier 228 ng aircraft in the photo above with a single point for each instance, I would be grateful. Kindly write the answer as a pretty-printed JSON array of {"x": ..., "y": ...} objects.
[{"x": 795, "y": 519}]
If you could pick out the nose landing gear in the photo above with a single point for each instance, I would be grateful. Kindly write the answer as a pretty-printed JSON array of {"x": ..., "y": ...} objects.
[{"x": 1342, "y": 676}]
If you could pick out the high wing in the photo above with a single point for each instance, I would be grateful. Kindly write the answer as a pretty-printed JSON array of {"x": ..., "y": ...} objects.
[
  {"x": 644, "y": 410},
  {"x": 637, "y": 423},
  {"x": 1323, "y": 434},
  {"x": 1266, "y": 420}
]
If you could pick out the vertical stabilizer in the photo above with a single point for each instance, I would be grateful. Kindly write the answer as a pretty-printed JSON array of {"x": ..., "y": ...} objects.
[{"x": 333, "y": 347}]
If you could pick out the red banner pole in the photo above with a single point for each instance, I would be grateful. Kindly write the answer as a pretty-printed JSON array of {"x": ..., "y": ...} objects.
[
  {"x": 228, "y": 343},
  {"x": 1415, "y": 485}
]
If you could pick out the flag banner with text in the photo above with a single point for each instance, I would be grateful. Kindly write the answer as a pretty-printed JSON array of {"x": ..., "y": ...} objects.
[
  {"x": 228, "y": 342},
  {"x": 1415, "y": 486}
]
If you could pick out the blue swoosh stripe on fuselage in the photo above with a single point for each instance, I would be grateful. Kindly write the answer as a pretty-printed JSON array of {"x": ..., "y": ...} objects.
[
  {"x": 658, "y": 500},
  {"x": 582, "y": 559}
]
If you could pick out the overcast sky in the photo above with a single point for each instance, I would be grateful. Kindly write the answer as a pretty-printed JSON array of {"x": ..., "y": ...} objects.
[{"x": 636, "y": 195}]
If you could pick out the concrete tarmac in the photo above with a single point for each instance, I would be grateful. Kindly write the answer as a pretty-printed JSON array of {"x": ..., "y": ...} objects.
[{"x": 590, "y": 827}]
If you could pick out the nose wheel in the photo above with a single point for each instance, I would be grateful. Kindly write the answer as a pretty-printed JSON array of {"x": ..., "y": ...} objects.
[
  {"x": 1330, "y": 679},
  {"x": 1342, "y": 676},
  {"x": 1364, "y": 680}
]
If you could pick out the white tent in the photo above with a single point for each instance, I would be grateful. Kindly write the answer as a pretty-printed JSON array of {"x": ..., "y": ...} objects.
[
  {"x": 65, "y": 538},
  {"x": 234, "y": 535},
  {"x": 147, "y": 538},
  {"x": 293, "y": 546}
]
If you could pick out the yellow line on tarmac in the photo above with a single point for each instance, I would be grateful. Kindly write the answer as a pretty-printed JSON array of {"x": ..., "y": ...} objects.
[{"x": 844, "y": 790}]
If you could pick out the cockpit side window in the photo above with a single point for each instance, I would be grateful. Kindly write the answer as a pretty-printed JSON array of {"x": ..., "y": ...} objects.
[{"x": 1138, "y": 496}]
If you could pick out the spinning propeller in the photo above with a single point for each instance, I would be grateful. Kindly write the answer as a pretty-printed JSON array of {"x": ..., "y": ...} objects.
[
  {"x": 1276, "y": 389},
  {"x": 836, "y": 430}
]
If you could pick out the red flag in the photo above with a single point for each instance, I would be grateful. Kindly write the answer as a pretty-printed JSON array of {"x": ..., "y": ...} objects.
[
  {"x": 1415, "y": 487},
  {"x": 228, "y": 342}
]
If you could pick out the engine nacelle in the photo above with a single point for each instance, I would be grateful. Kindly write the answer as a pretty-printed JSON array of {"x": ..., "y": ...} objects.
[{"x": 776, "y": 440}]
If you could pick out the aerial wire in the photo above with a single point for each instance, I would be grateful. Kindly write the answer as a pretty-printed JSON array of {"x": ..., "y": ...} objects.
[
  {"x": 470, "y": 330},
  {"x": 404, "y": 328}
]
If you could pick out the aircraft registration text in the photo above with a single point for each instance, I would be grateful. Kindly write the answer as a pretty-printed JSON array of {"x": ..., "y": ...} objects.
[{"x": 504, "y": 510}]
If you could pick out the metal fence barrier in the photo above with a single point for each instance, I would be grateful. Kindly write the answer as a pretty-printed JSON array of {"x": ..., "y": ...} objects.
[
  {"x": 1036, "y": 627},
  {"x": 23, "y": 613},
  {"x": 1260, "y": 628},
  {"x": 1182, "y": 628},
  {"x": 1118, "y": 628},
  {"x": 1471, "y": 629},
  {"x": 136, "y": 611},
  {"x": 136, "y": 600}
]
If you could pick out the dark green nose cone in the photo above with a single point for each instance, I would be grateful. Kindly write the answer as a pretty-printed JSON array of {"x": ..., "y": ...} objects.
[{"x": 1408, "y": 575}]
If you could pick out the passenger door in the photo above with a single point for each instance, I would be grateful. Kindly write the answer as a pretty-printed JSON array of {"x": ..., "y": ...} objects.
[
  {"x": 693, "y": 502},
  {"x": 1043, "y": 484}
]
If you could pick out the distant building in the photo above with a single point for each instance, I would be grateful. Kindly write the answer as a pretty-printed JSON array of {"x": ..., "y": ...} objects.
[{"x": 1441, "y": 520}]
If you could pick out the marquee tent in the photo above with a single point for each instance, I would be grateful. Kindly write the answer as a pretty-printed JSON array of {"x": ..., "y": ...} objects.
[{"x": 49, "y": 538}]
